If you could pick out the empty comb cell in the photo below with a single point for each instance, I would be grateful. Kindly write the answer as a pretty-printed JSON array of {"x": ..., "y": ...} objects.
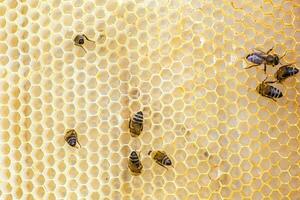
[{"x": 181, "y": 63}]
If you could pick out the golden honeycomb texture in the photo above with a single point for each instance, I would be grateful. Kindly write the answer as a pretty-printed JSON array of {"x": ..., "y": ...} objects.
[{"x": 181, "y": 63}]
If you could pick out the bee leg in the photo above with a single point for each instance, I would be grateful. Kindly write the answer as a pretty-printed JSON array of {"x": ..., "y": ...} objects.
[
  {"x": 270, "y": 81},
  {"x": 81, "y": 47},
  {"x": 273, "y": 99},
  {"x": 79, "y": 143},
  {"x": 142, "y": 127},
  {"x": 87, "y": 38},
  {"x": 265, "y": 68},
  {"x": 265, "y": 79},
  {"x": 130, "y": 124},
  {"x": 161, "y": 165},
  {"x": 279, "y": 81},
  {"x": 251, "y": 66}
]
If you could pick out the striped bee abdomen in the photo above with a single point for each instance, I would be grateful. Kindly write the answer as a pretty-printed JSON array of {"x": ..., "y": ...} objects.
[
  {"x": 255, "y": 58},
  {"x": 138, "y": 118},
  {"x": 134, "y": 163},
  {"x": 161, "y": 158},
  {"x": 166, "y": 161},
  {"x": 285, "y": 72},
  {"x": 290, "y": 71},
  {"x": 274, "y": 92},
  {"x": 134, "y": 157},
  {"x": 71, "y": 138},
  {"x": 136, "y": 124},
  {"x": 71, "y": 141}
]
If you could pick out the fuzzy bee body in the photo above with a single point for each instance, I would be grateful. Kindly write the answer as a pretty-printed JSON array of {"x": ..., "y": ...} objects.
[
  {"x": 136, "y": 124},
  {"x": 79, "y": 40},
  {"x": 161, "y": 158},
  {"x": 285, "y": 71},
  {"x": 269, "y": 91},
  {"x": 259, "y": 57},
  {"x": 71, "y": 138},
  {"x": 134, "y": 163}
]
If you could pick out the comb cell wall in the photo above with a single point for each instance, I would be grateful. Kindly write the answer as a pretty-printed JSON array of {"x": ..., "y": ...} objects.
[{"x": 181, "y": 63}]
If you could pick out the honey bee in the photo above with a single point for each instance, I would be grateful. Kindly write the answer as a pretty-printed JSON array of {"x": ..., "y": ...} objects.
[
  {"x": 71, "y": 138},
  {"x": 134, "y": 163},
  {"x": 79, "y": 40},
  {"x": 284, "y": 72},
  {"x": 268, "y": 91},
  {"x": 136, "y": 124},
  {"x": 259, "y": 57},
  {"x": 161, "y": 158}
]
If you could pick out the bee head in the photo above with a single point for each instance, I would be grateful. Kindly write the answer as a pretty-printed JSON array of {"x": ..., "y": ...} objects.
[{"x": 276, "y": 59}]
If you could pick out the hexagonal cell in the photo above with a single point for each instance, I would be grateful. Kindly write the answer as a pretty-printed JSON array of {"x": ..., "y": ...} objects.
[{"x": 181, "y": 63}]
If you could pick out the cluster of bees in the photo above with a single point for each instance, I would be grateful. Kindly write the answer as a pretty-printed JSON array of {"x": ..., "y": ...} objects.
[
  {"x": 135, "y": 128},
  {"x": 136, "y": 121},
  {"x": 266, "y": 58},
  {"x": 134, "y": 162}
]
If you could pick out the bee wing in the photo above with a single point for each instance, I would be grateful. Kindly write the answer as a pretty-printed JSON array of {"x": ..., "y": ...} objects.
[
  {"x": 287, "y": 65},
  {"x": 259, "y": 52},
  {"x": 67, "y": 134}
]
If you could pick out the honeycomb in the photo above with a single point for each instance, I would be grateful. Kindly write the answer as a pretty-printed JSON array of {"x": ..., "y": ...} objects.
[{"x": 181, "y": 62}]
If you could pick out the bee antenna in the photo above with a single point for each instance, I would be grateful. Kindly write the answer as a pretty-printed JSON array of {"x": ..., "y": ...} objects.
[
  {"x": 149, "y": 152},
  {"x": 282, "y": 55},
  {"x": 87, "y": 38},
  {"x": 83, "y": 49}
]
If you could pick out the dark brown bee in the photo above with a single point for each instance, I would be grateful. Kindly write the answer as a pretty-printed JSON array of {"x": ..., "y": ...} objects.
[
  {"x": 71, "y": 138},
  {"x": 285, "y": 71},
  {"x": 136, "y": 124},
  {"x": 134, "y": 163},
  {"x": 268, "y": 91},
  {"x": 79, "y": 40},
  {"x": 259, "y": 57},
  {"x": 161, "y": 158}
]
